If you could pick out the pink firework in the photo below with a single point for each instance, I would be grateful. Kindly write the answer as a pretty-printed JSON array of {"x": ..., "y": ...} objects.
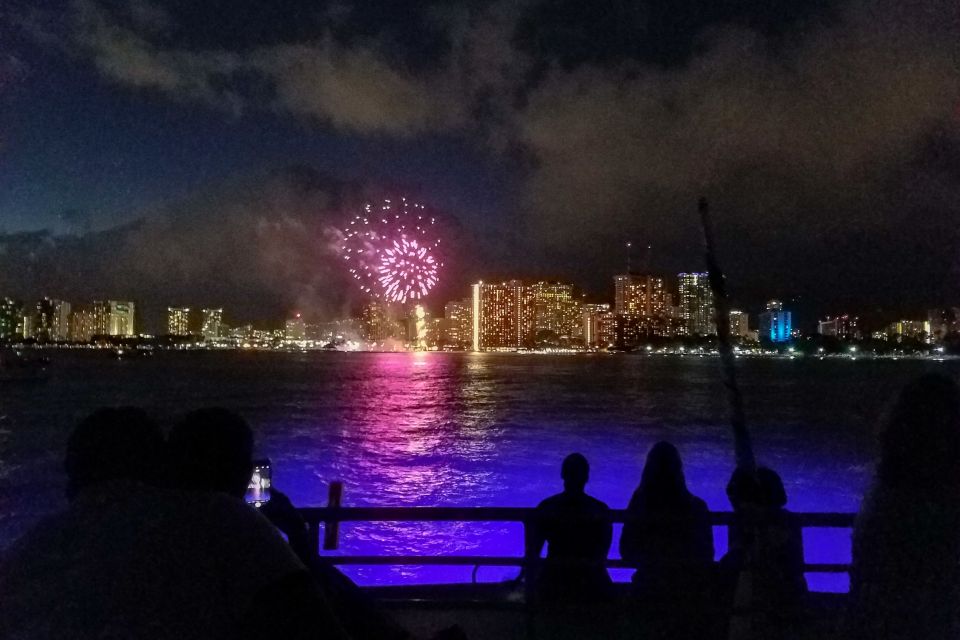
[{"x": 392, "y": 251}]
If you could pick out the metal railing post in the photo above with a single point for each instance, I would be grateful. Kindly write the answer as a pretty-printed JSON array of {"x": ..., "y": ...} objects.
[{"x": 331, "y": 528}]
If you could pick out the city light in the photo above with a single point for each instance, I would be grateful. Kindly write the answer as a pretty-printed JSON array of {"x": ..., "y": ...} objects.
[
  {"x": 421, "y": 326},
  {"x": 515, "y": 315}
]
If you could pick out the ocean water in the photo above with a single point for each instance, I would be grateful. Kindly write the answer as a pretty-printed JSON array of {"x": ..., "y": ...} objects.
[{"x": 430, "y": 429}]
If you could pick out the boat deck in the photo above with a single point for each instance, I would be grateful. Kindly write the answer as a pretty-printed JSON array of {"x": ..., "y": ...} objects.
[{"x": 498, "y": 611}]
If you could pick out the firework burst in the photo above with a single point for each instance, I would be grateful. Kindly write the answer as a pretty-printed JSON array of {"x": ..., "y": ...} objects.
[{"x": 391, "y": 250}]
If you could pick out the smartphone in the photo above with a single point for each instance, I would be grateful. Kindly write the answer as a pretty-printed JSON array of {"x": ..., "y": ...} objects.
[{"x": 258, "y": 491}]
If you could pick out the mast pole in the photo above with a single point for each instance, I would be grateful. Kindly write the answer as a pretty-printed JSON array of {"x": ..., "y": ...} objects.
[{"x": 741, "y": 437}]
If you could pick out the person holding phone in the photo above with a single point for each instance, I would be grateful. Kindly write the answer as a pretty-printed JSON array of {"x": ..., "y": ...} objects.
[
  {"x": 129, "y": 558},
  {"x": 211, "y": 450}
]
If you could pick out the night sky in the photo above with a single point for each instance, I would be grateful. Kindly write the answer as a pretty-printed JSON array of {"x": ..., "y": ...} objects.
[{"x": 203, "y": 153}]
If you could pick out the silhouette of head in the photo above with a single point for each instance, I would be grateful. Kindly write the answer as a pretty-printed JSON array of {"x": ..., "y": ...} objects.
[
  {"x": 114, "y": 444},
  {"x": 744, "y": 489},
  {"x": 771, "y": 488},
  {"x": 211, "y": 450},
  {"x": 662, "y": 480},
  {"x": 575, "y": 472},
  {"x": 920, "y": 447}
]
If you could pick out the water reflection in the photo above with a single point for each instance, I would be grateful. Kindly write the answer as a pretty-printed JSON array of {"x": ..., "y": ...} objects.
[
  {"x": 422, "y": 428},
  {"x": 416, "y": 442},
  {"x": 460, "y": 429}
]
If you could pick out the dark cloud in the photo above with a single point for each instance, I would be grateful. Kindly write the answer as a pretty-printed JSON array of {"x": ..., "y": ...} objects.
[
  {"x": 357, "y": 89},
  {"x": 826, "y": 141},
  {"x": 259, "y": 247},
  {"x": 802, "y": 149}
]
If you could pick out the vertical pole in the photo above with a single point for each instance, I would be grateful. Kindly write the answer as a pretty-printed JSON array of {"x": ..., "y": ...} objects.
[
  {"x": 313, "y": 537},
  {"x": 741, "y": 437},
  {"x": 331, "y": 528}
]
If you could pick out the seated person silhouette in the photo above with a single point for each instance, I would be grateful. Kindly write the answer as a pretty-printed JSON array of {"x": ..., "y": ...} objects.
[
  {"x": 762, "y": 572},
  {"x": 783, "y": 544},
  {"x": 667, "y": 535},
  {"x": 211, "y": 451},
  {"x": 577, "y": 530},
  {"x": 127, "y": 559},
  {"x": 766, "y": 533}
]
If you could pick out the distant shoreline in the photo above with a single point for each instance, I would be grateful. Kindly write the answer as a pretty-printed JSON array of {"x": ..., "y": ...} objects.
[{"x": 751, "y": 353}]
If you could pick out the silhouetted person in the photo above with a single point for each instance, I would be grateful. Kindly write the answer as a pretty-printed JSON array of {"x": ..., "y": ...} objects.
[
  {"x": 577, "y": 530},
  {"x": 905, "y": 576},
  {"x": 667, "y": 536},
  {"x": 211, "y": 450},
  {"x": 114, "y": 444},
  {"x": 783, "y": 545},
  {"x": 762, "y": 572},
  {"x": 130, "y": 560}
]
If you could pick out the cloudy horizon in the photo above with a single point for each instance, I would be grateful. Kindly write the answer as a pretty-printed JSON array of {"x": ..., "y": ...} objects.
[{"x": 826, "y": 138}]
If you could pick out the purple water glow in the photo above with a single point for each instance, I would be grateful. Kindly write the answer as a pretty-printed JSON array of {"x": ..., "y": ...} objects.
[{"x": 431, "y": 429}]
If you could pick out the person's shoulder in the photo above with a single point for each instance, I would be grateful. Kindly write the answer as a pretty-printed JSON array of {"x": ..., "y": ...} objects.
[
  {"x": 239, "y": 534},
  {"x": 698, "y": 505},
  {"x": 597, "y": 505},
  {"x": 230, "y": 514},
  {"x": 89, "y": 515},
  {"x": 551, "y": 502}
]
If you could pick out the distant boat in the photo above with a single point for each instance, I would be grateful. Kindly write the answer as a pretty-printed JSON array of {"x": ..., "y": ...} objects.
[{"x": 17, "y": 368}]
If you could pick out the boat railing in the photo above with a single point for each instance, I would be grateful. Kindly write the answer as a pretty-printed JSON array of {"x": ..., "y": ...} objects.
[{"x": 330, "y": 517}]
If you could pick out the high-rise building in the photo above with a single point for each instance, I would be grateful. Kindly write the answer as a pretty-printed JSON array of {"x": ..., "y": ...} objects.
[
  {"x": 458, "y": 323},
  {"x": 913, "y": 329},
  {"x": 503, "y": 315},
  {"x": 212, "y": 323},
  {"x": 599, "y": 326},
  {"x": 639, "y": 295},
  {"x": 83, "y": 325},
  {"x": 43, "y": 319},
  {"x": 377, "y": 322},
  {"x": 296, "y": 328},
  {"x": 844, "y": 326},
  {"x": 51, "y": 320},
  {"x": 776, "y": 323},
  {"x": 554, "y": 308},
  {"x": 739, "y": 324},
  {"x": 101, "y": 318},
  {"x": 61, "y": 320},
  {"x": 435, "y": 332},
  {"x": 696, "y": 304},
  {"x": 114, "y": 318},
  {"x": 178, "y": 321},
  {"x": 122, "y": 318},
  {"x": 11, "y": 320}
]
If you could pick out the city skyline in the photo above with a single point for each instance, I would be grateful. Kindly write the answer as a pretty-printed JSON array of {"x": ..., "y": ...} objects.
[
  {"x": 548, "y": 135},
  {"x": 512, "y": 314},
  {"x": 520, "y": 297}
]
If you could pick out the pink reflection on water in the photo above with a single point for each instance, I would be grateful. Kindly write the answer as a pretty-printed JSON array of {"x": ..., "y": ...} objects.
[
  {"x": 405, "y": 423},
  {"x": 424, "y": 433}
]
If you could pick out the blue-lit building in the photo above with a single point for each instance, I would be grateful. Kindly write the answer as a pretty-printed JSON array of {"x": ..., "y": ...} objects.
[{"x": 775, "y": 323}]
